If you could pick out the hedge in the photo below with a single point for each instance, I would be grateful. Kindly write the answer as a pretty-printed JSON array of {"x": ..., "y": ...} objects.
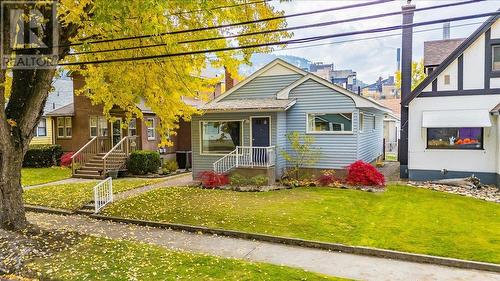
[
  {"x": 42, "y": 155},
  {"x": 141, "y": 162}
]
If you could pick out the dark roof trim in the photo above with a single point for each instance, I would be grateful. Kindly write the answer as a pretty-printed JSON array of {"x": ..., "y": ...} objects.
[{"x": 454, "y": 55}]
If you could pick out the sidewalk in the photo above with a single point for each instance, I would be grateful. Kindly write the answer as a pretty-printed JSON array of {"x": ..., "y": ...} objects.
[
  {"x": 325, "y": 262},
  {"x": 178, "y": 180}
]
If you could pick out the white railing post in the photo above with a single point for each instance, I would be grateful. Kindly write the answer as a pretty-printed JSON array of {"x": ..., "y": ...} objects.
[
  {"x": 103, "y": 194},
  {"x": 237, "y": 156}
]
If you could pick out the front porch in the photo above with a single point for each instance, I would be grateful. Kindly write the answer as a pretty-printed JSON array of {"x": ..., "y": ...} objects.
[
  {"x": 97, "y": 158},
  {"x": 246, "y": 157}
]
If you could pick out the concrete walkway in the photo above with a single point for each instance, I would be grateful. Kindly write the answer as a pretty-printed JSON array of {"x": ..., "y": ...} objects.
[
  {"x": 325, "y": 262},
  {"x": 178, "y": 180}
]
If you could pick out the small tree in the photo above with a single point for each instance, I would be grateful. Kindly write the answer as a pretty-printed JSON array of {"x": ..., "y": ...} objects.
[{"x": 301, "y": 152}]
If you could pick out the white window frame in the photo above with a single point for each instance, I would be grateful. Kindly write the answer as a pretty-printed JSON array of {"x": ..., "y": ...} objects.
[
  {"x": 201, "y": 123},
  {"x": 361, "y": 121},
  {"x": 96, "y": 126},
  {"x": 309, "y": 132},
  {"x": 38, "y": 126},
  {"x": 101, "y": 123},
  {"x": 152, "y": 121},
  {"x": 132, "y": 128}
]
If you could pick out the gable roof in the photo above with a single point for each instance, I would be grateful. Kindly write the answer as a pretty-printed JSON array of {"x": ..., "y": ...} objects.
[
  {"x": 360, "y": 101},
  {"x": 496, "y": 110},
  {"x": 259, "y": 72},
  {"x": 452, "y": 57},
  {"x": 436, "y": 51},
  {"x": 67, "y": 110}
]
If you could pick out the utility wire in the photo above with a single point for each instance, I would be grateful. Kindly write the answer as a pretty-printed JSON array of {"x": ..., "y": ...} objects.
[
  {"x": 280, "y": 30},
  {"x": 331, "y": 22},
  {"x": 364, "y": 4},
  {"x": 292, "y": 41}
]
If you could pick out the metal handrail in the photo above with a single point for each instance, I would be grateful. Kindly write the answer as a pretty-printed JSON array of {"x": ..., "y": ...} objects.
[{"x": 83, "y": 147}]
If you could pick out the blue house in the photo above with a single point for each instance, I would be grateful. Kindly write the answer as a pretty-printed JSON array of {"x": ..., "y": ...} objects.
[{"x": 246, "y": 127}]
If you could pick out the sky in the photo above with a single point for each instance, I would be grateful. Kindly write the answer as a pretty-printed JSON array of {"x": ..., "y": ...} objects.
[{"x": 374, "y": 57}]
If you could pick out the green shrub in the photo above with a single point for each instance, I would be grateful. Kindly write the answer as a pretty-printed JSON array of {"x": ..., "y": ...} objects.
[
  {"x": 170, "y": 167},
  {"x": 141, "y": 162},
  {"x": 259, "y": 180},
  {"x": 239, "y": 180},
  {"x": 42, "y": 155}
]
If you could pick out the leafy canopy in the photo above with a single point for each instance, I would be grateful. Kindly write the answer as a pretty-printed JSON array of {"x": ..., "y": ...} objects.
[
  {"x": 160, "y": 82},
  {"x": 417, "y": 74}
]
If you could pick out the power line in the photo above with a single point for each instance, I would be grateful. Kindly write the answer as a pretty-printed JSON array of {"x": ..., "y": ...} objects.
[
  {"x": 364, "y": 4},
  {"x": 331, "y": 22},
  {"x": 292, "y": 41},
  {"x": 281, "y": 30}
]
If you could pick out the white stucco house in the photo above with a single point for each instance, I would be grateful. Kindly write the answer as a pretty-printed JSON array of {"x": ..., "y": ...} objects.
[{"x": 453, "y": 119}]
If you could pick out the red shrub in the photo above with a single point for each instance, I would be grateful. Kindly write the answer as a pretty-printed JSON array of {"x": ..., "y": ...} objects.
[
  {"x": 66, "y": 159},
  {"x": 210, "y": 179},
  {"x": 362, "y": 173},
  {"x": 327, "y": 178}
]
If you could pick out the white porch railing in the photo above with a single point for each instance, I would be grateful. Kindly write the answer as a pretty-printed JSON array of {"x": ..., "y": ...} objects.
[
  {"x": 103, "y": 194},
  {"x": 246, "y": 156}
]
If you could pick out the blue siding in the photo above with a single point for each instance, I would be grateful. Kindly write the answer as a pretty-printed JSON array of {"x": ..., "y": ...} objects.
[
  {"x": 370, "y": 141},
  {"x": 281, "y": 142},
  {"x": 337, "y": 151},
  {"x": 263, "y": 87},
  {"x": 205, "y": 162}
]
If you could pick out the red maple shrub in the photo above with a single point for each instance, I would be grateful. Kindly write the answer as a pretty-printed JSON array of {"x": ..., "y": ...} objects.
[
  {"x": 66, "y": 159},
  {"x": 211, "y": 179},
  {"x": 362, "y": 173}
]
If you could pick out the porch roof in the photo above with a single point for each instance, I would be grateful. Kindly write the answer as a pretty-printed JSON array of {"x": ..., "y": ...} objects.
[
  {"x": 496, "y": 110},
  {"x": 67, "y": 110},
  {"x": 250, "y": 104}
]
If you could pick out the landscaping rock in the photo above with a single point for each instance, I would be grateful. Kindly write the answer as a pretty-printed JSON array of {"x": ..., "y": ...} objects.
[{"x": 461, "y": 187}]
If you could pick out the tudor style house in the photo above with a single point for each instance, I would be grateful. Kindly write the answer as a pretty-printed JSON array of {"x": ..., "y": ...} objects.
[
  {"x": 453, "y": 115},
  {"x": 245, "y": 128}
]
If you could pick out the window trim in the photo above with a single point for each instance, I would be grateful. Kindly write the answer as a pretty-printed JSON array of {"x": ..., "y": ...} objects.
[
  {"x": 135, "y": 127},
  {"x": 38, "y": 126},
  {"x": 495, "y": 71},
  {"x": 453, "y": 148},
  {"x": 153, "y": 127},
  {"x": 200, "y": 125},
  {"x": 361, "y": 121},
  {"x": 96, "y": 125},
  {"x": 64, "y": 127},
  {"x": 308, "y": 132}
]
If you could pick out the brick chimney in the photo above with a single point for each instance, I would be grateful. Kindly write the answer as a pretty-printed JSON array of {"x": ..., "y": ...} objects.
[{"x": 230, "y": 82}]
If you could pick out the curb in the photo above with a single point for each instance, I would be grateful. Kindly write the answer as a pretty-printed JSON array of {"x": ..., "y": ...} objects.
[
  {"x": 358, "y": 250},
  {"x": 48, "y": 210}
]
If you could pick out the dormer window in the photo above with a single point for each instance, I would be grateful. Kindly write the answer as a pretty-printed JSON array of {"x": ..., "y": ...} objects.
[{"x": 495, "y": 65}]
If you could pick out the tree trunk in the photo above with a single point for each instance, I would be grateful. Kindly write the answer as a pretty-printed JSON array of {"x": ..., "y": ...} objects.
[{"x": 12, "y": 215}]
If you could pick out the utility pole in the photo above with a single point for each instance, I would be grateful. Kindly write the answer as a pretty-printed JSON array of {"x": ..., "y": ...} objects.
[{"x": 406, "y": 59}]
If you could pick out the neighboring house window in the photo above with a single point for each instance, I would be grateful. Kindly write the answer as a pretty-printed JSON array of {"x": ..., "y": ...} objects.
[
  {"x": 220, "y": 136},
  {"x": 150, "y": 123},
  {"x": 374, "y": 123},
  {"x": 93, "y": 126},
  {"x": 447, "y": 79},
  {"x": 455, "y": 138},
  {"x": 132, "y": 127},
  {"x": 98, "y": 126},
  {"x": 64, "y": 127},
  {"x": 41, "y": 129},
  {"x": 496, "y": 58},
  {"x": 329, "y": 122}
]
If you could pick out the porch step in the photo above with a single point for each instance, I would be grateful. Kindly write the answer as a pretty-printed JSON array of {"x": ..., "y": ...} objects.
[
  {"x": 87, "y": 176},
  {"x": 84, "y": 212},
  {"x": 89, "y": 206}
]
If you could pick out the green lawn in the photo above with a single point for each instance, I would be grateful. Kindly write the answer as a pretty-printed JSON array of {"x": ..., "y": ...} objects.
[
  {"x": 74, "y": 195},
  {"x": 103, "y": 259},
  {"x": 34, "y": 176},
  {"x": 402, "y": 218}
]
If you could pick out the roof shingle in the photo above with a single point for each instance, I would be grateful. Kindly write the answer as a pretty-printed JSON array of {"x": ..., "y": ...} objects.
[{"x": 436, "y": 51}]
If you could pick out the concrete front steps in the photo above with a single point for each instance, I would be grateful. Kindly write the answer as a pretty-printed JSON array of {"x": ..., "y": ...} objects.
[
  {"x": 87, "y": 209},
  {"x": 93, "y": 169}
]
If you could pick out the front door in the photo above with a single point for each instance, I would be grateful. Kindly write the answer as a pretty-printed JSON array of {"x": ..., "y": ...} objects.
[
  {"x": 116, "y": 131},
  {"x": 260, "y": 131}
]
